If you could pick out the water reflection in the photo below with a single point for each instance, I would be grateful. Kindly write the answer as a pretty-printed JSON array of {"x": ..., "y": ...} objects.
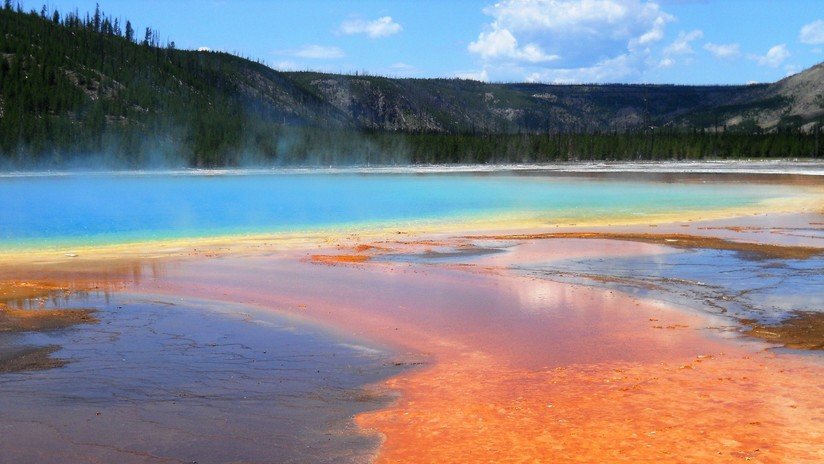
[
  {"x": 718, "y": 281},
  {"x": 160, "y": 380}
]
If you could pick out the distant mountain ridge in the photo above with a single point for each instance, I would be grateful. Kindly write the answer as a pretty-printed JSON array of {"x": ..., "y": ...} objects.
[{"x": 72, "y": 84}]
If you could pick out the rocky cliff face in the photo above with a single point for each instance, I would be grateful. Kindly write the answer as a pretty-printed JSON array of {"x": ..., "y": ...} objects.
[{"x": 804, "y": 95}]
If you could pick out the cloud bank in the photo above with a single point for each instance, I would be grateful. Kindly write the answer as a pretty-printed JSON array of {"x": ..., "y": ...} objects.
[{"x": 570, "y": 41}]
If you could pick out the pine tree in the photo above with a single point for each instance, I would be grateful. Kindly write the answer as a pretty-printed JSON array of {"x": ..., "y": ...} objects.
[{"x": 96, "y": 21}]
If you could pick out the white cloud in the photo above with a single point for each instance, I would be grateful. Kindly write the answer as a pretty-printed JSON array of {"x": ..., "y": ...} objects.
[
  {"x": 611, "y": 70},
  {"x": 500, "y": 43},
  {"x": 288, "y": 66},
  {"x": 774, "y": 57},
  {"x": 204, "y": 49},
  {"x": 791, "y": 69},
  {"x": 481, "y": 75},
  {"x": 624, "y": 17},
  {"x": 381, "y": 27},
  {"x": 319, "y": 52},
  {"x": 655, "y": 34},
  {"x": 666, "y": 63},
  {"x": 813, "y": 33},
  {"x": 723, "y": 51},
  {"x": 562, "y": 39},
  {"x": 681, "y": 45}
]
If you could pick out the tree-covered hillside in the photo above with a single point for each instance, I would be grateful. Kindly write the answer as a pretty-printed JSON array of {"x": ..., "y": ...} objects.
[
  {"x": 74, "y": 86},
  {"x": 88, "y": 90}
]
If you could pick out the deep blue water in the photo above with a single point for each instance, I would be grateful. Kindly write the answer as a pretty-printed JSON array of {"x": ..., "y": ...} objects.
[{"x": 97, "y": 209}]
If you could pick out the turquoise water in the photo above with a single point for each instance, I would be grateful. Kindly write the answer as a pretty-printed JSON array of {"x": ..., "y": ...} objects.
[{"x": 110, "y": 208}]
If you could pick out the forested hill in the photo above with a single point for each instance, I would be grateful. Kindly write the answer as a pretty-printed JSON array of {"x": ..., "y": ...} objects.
[{"x": 89, "y": 89}]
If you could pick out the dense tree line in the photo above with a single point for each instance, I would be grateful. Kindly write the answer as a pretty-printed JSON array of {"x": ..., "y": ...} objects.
[
  {"x": 72, "y": 86},
  {"x": 638, "y": 145},
  {"x": 89, "y": 89}
]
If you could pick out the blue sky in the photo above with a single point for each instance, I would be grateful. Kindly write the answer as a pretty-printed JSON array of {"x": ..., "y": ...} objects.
[{"x": 664, "y": 41}]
